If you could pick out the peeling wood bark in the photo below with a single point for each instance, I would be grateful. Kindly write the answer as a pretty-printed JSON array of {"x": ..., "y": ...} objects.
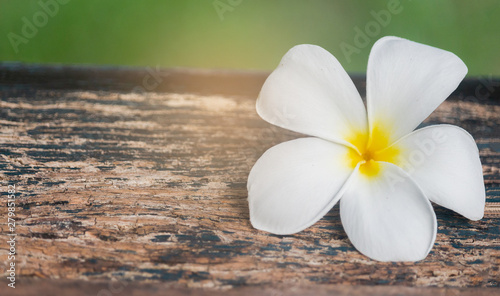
[{"x": 151, "y": 186}]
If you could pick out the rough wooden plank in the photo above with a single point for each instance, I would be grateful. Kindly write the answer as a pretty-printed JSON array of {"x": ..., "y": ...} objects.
[
  {"x": 81, "y": 288},
  {"x": 151, "y": 186}
]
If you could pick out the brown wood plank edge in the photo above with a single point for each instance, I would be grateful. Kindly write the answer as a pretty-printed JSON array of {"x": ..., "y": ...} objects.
[
  {"x": 83, "y": 288},
  {"x": 137, "y": 177},
  {"x": 184, "y": 80}
]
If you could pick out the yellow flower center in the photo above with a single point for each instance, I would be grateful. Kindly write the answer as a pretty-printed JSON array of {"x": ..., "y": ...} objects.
[{"x": 371, "y": 151}]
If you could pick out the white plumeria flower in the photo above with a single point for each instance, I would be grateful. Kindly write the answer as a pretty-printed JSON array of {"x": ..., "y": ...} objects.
[{"x": 383, "y": 172}]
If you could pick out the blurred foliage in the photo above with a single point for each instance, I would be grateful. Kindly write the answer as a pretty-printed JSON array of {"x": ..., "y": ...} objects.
[{"x": 243, "y": 34}]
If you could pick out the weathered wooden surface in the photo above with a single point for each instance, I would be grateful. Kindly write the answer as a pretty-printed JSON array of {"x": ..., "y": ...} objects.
[
  {"x": 85, "y": 288},
  {"x": 115, "y": 184}
]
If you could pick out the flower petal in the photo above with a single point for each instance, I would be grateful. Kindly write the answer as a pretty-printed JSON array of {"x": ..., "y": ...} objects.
[
  {"x": 310, "y": 93},
  {"x": 387, "y": 217},
  {"x": 406, "y": 81},
  {"x": 295, "y": 183},
  {"x": 444, "y": 161}
]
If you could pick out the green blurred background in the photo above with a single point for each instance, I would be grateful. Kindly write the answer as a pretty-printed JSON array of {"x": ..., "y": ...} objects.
[{"x": 242, "y": 34}]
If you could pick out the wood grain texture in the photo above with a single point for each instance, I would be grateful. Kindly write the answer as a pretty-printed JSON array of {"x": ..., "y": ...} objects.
[{"x": 119, "y": 184}]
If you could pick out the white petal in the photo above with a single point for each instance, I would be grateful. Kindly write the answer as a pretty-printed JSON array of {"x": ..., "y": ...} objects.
[
  {"x": 295, "y": 183},
  {"x": 387, "y": 217},
  {"x": 310, "y": 93},
  {"x": 444, "y": 161},
  {"x": 406, "y": 81}
]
